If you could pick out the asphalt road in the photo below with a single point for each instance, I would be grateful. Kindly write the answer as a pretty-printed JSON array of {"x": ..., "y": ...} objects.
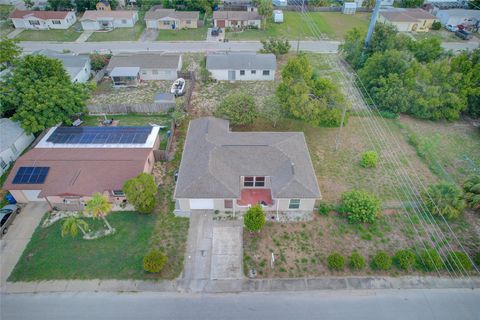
[{"x": 450, "y": 304}]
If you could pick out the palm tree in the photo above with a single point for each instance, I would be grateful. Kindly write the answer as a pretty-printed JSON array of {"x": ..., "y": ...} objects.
[
  {"x": 72, "y": 224},
  {"x": 99, "y": 207}
]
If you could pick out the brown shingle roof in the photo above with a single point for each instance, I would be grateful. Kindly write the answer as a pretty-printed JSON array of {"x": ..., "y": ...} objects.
[
  {"x": 236, "y": 15},
  {"x": 157, "y": 12},
  {"x": 406, "y": 15},
  {"x": 117, "y": 14},
  {"x": 80, "y": 171},
  {"x": 44, "y": 15}
]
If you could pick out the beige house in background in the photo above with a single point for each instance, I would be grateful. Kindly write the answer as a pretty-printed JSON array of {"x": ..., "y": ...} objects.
[
  {"x": 170, "y": 19},
  {"x": 407, "y": 20},
  {"x": 236, "y": 19},
  {"x": 233, "y": 171}
]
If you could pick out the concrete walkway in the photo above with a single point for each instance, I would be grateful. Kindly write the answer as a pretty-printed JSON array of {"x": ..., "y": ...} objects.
[
  {"x": 149, "y": 35},
  {"x": 14, "y": 33},
  {"x": 18, "y": 236},
  {"x": 84, "y": 36}
]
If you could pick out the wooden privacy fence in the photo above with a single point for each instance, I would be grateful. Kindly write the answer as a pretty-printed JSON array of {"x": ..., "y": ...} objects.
[
  {"x": 127, "y": 108},
  {"x": 167, "y": 154},
  {"x": 99, "y": 75},
  {"x": 227, "y": 7}
]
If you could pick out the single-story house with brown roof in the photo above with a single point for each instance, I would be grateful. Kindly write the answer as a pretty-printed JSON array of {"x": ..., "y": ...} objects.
[
  {"x": 407, "y": 19},
  {"x": 108, "y": 20},
  {"x": 70, "y": 164},
  {"x": 170, "y": 19},
  {"x": 236, "y": 19},
  {"x": 43, "y": 20}
]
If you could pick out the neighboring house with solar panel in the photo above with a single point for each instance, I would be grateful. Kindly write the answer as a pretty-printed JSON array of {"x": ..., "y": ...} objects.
[
  {"x": 69, "y": 164},
  {"x": 232, "y": 171},
  {"x": 13, "y": 140},
  {"x": 129, "y": 68},
  {"x": 77, "y": 66},
  {"x": 243, "y": 66}
]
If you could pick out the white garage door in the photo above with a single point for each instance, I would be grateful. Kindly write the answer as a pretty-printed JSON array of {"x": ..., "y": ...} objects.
[
  {"x": 32, "y": 195},
  {"x": 201, "y": 204}
]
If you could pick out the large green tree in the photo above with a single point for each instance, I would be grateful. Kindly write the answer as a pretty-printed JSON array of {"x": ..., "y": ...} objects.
[
  {"x": 265, "y": 10},
  {"x": 238, "y": 107},
  {"x": 140, "y": 192},
  {"x": 9, "y": 52},
  {"x": 59, "y": 5},
  {"x": 40, "y": 94},
  {"x": 427, "y": 50},
  {"x": 467, "y": 64},
  {"x": 353, "y": 46}
]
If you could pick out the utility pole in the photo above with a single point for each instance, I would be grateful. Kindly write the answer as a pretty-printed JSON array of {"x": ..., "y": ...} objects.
[
  {"x": 298, "y": 39},
  {"x": 373, "y": 21}
]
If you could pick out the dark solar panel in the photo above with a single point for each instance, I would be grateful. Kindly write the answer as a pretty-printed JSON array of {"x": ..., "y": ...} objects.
[
  {"x": 99, "y": 135},
  {"x": 31, "y": 175}
]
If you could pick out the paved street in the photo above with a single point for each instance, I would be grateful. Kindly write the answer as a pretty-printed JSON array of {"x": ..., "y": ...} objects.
[
  {"x": 371, "y": 305},
  {"x": 18, "y": 235},
  {"x": 184, "y": 46}
]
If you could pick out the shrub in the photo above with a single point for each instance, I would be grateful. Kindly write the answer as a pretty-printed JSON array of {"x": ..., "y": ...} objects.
[
  {"x": 356, "y": 261},
  {"x": 472, "y": 191},
  {"x": 360, "y": 206},
  {"x": 458, "y": 261},
  {"x": 476, "y": 259},
  {"x": 141, "y": 192},
  {"x": 430, "y": 260},
  {"x": 154, "y": 261},
  {"x": 325, "y": 208},
  {"x": 382, "y": 261},
  {"x": 405, "y": 259},
  {"x": 436, "y": 25},
  {"x": 336, "y": 261},
  {"x": 99, "y": 61},
  {"x": 389, "y": 114},
  {"x": 444, "y": 199},
  {"x": 277, "y": 47},
  {"x": 254, "y": 219},
  {"x": 238, "y": 107},
  {"x": 369, "y": 159}
]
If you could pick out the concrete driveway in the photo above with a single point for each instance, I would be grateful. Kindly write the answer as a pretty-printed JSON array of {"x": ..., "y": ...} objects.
[
  {"x": 214, "y": 251},
  {"x": 18, "y": 235}
]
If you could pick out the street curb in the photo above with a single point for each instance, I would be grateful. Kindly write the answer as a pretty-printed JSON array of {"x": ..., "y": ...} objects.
[{"x": 242, "y": 285}]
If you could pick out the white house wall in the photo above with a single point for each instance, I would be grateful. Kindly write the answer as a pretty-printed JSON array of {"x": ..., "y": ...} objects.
[
  {"x": 9, "y": 155},
  {"x": 90, "y": 25},
  {"x": 222, "y": 75},
  {"x": 84, "y": 74},
  {"x": 158, "y": 74},
  {"x": 66, "y": 23}
]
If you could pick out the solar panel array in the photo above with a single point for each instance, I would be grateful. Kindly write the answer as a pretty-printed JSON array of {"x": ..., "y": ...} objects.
[
  {"x": 100, "y": 135},
  {"x": 31, "y": 175}
]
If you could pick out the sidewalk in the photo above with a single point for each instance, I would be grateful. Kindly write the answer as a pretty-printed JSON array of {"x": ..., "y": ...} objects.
[
  {"x": 243, "y": 285},
  {"x": 84, "y": 36},
  {"x": 14, "y": 33}
]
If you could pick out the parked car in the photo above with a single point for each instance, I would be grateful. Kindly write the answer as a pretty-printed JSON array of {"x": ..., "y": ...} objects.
[
  {"x": 451, "y": 27},
  {"x": 215, "y": 32},
  {"x": 463, "y": 34},
  {"x": 178, "y": 87},
  {"x": 6, "y": 212}
]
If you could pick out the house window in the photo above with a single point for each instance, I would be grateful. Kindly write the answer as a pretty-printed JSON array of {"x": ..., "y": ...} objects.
[
  {"x": 294, "y": 204},
  {"x": 124, "y": 21},
  {"x": 144, "y": 72},
  {"x": 254, "y": 181},
  {"x": 3, "y": 164},
  {"x": 14, "y": 149},
  {"x": 167, "y": 23},
  {"x": 56, "y": 22},
  {"x": 242, "y": 72},
  {"x": 228, "y": 204},
  {"x": 34, "y": 22},
  {"x": 188, "y": 21},
  {"x": 154, "y": 71},
  {"x": 266, "y": 72},
  {"x": 253, "y": 71},
  {"x": 118, "y": 193}
]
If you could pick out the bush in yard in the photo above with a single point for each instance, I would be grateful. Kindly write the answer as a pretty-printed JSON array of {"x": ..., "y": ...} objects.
[
  {"x": 238, "y": 107},
  {"x": 99, "y": 61},
  {"x": 356, "y": 261},
  {"x": 459, "y": 261},
  {"x": 437, "y": 25},
  {"x": 405, "y": 259},
  {"x": 325, "y": 208},
  {"x": 476, "y": 259},
  {"x": 254, "y": 219},
  {"x": 430, "y": 260},
  {"x": 360, "y": 206},
  {"x": 369, "y": 159},
  {"x": 444, "y": 199},
  {"x": 472, "y": 191},
  {"x": 277, "y": 47},
  {"x": 140, "y": 192},
  {"x": 336, "y": 261},
  {"x": 382, "y": 261},
  {"x": 154, "y": 261}
]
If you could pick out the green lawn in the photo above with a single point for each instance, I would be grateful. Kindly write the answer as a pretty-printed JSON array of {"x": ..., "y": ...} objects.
[
  {"x": 67, "y": 35},
  {"x": 120, "y": 34},
  {"x": 198, "y": 34},
  {"x": 333, "y": 24}
]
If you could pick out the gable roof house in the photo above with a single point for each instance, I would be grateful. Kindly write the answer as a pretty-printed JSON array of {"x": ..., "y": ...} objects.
[
  {"x": 232, "y": 171},
  {"x": 70, "y": 164},
  {"x": 77, "y": 66},
  {"x": 13, "y": 140},
  {"x": 170, "y": 19},
  {"x": 43, "y": 20},
  {"x": 247, "y": 66},
  {"x": 144, "y": 67},
  {"x": 408, "y": 20},
  {"x": 236, "y": 19},
  {"x": 108, "y": 20},
  {"x": 454, "y": 17}
]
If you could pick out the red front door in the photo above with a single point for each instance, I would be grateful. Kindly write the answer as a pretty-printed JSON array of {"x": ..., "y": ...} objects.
[{"x": 221, "y": 23}]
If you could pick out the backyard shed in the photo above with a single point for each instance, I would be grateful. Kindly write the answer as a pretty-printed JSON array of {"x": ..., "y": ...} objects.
[
  {"x": 165, "y": 101},
  {"x": 277, "y": 16},
  {"x": 349, "y": 8}
]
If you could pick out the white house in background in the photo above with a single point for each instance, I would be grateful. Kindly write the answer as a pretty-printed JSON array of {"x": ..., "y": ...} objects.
[
  {"x": 236, "y": 19},
  {"x": 108, "y": 20},
  {"x": 246, "y": 66},
  {"x": 455, "y": 17},
  {"x": 12, "y": 142},
  {"x": 383, "y": 4},
  {"x": 280, "y": 3},
  {"x": 43, "y": 20},
  {"x": 77, "y": 66}
]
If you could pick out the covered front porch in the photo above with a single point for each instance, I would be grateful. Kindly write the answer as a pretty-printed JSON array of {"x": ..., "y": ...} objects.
[{"x": 125, "y": 76}]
